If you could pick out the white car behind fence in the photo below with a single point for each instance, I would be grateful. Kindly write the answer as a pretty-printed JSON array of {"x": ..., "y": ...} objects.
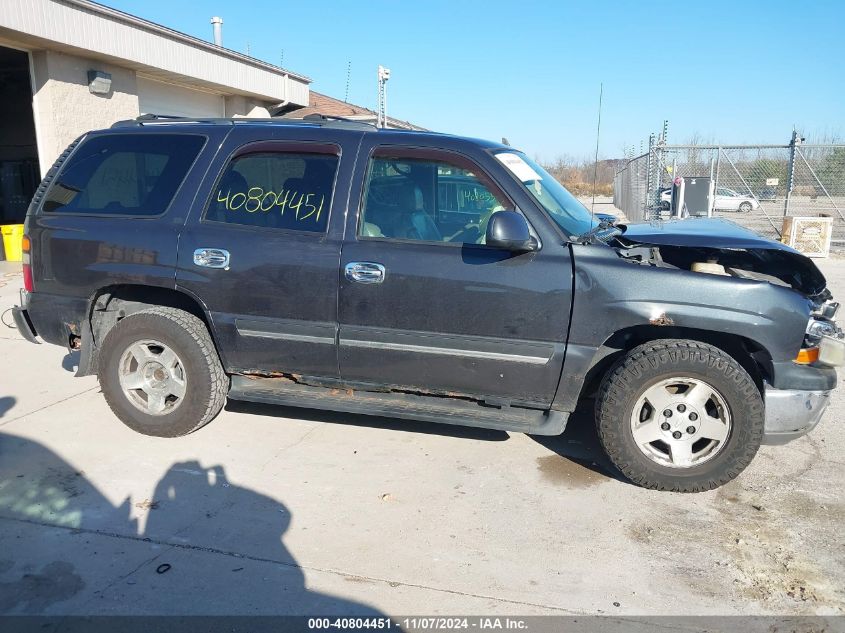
[{"x": 724, "y": 200}]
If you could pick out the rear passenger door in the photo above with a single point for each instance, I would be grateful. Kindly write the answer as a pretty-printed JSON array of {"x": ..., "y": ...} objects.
[
  {"x": 426, "y": 306},
  {"x": 262, "y": 251}
]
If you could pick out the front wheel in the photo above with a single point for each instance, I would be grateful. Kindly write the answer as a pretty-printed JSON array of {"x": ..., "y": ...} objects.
[
  {"x": 679, "y": 415},
  {"x": 160, "y": 372},
  {"x": 745, "y": 207}
]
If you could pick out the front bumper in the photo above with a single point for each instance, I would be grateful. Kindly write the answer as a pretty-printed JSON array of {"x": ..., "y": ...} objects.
[{"x": 791, "y": 413}]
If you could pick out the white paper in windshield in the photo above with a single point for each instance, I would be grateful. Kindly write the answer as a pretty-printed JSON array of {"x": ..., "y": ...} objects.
[{"x": 518, "y": 167}]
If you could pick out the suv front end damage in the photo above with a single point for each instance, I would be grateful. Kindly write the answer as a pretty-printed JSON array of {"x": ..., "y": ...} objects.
[
  {"x": 791, "y": 413},
  {"x": 800, "y": 391}
]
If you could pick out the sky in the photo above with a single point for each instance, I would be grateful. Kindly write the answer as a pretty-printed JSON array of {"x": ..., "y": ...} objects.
[{"x": 743, "y": 71}]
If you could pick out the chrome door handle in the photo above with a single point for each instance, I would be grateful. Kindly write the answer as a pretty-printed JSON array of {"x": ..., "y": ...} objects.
[
  {"x": 364, "y": 272},
  {"x": 212, "y": 257}
]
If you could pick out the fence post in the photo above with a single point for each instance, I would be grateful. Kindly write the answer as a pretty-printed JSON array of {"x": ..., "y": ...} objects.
[
  {"x": 712, "y": 186},
  {"x": 790, "y": 171},
  {"x": 715, "y": 180},
  {"x": 649, "y": 177}
]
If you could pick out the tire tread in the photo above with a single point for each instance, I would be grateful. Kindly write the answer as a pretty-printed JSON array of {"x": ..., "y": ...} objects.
[
  {"x": 198, "y": 332},
  {"x": 648, "y": 358}
]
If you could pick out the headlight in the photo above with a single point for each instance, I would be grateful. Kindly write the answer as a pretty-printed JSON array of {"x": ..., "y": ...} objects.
[
  {"x": 823, "y": 342},
  {"x": 817, "y": 328}
]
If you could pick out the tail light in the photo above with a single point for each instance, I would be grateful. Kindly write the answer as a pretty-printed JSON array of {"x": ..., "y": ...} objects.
[{"x": 26, "y": 248}]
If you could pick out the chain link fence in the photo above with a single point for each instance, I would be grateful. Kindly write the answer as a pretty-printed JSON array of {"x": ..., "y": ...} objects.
[{"x": 756, "y": 186}]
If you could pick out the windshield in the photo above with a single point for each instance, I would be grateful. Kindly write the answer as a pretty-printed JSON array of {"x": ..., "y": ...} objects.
[{"x": 564, "y": 208}]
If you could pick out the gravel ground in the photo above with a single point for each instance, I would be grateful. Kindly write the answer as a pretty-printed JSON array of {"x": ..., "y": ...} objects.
[{"x": 280, "y": 510}]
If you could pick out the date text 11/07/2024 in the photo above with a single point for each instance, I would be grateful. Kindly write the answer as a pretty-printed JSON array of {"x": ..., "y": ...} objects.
[
  {"x": 256, "y": 199},
  {"x": 422, "y": 623}
]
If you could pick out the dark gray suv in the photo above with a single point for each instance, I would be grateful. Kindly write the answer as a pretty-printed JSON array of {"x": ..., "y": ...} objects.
[{"x": 332, "y": 265}]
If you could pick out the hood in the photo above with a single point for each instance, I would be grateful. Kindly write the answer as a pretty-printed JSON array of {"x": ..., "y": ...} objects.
[
  {"x": 708, "y": 232},
  {"x": 729, "y": 243}
]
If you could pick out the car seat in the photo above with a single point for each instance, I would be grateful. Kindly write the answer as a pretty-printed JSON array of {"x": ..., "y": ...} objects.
[
  {"x": 368, "y": 229},
  {"x": 423, "y": 227},
  {"x": 395, "y": 208}
]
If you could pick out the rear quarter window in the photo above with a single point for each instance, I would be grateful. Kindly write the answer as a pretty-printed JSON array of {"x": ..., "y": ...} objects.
[{"x": 123, "y": 174}]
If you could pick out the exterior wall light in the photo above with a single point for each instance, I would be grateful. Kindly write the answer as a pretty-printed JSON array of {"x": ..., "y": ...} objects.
[{"x": 99, "y": 82}]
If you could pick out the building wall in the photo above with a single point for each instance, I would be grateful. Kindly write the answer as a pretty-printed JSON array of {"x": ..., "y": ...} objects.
[
  {"x": 238, "y": 106},
  {"x": 79, "y": 25},
  {"x": 63, "y": 106}
]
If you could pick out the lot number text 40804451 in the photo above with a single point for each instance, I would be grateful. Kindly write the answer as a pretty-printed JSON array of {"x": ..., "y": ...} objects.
[{"x": 420, "y": 623}]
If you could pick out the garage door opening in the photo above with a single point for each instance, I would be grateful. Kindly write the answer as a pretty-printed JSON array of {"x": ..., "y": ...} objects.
[
  {"x": 158, "y": 97},
  {"x": 19, "y": 171}
]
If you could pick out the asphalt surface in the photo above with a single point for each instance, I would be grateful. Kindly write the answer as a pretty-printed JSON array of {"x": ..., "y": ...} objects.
[{"x": 280, "y": 510}]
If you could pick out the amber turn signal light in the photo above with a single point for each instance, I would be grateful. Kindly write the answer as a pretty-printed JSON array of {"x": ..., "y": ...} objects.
[{"x": 807, "y": 355}]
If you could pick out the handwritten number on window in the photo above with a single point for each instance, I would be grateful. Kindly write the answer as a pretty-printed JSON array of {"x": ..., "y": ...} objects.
[
  {"x": 264, "y": 206},
  {"x": 283, "y": 202},
  {"x": 303, "y": 205},
  {"x": 255, "y": 198}
]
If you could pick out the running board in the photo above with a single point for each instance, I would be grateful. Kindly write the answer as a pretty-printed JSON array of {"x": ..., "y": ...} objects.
[{"x": 398, "y": 405}]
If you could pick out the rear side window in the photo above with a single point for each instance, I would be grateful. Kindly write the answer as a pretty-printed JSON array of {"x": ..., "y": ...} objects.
[
  {"x": 277, "y": 190},
  {"x": 123, "y": 174}
]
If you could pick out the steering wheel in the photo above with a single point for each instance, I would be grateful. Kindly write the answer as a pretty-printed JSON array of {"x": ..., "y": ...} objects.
[{"x": 404, "y": 169}]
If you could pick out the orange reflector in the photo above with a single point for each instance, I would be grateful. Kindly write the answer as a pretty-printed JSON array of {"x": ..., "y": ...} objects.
[
  {"x": 25, "y": 244},
  {"x": 807, "y": 355}
]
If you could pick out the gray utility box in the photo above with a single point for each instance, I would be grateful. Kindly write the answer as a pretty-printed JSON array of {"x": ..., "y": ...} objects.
[{"x": 692, "y": 195}]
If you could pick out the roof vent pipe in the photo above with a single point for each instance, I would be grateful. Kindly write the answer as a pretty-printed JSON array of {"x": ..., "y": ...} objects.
[{"x": 217, "y": 25}]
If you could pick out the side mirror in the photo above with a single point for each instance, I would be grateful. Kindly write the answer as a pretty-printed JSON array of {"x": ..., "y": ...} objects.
[{"x": 508, "y": 230}]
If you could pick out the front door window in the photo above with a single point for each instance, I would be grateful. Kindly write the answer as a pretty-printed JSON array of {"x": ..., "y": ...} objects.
[{"x": 408, "y": 197}]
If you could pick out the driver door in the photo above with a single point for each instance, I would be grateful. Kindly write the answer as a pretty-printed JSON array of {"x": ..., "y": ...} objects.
[{"x": 426, "y": 306}]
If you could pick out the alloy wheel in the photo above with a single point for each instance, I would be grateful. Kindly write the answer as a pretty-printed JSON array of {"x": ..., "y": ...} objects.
[{"x": 681, "y": 422}]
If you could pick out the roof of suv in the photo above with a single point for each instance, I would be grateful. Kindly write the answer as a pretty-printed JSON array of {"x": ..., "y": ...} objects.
[{"x": 327, "y": 123}]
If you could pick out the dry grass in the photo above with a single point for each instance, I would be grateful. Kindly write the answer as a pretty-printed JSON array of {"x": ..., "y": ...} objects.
[
  {"x": 577, "y": 176},
  {"x": 586, "y": 188}
]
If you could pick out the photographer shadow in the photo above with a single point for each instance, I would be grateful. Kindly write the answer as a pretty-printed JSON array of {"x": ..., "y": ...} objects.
[{"x": 207, "y": 546}]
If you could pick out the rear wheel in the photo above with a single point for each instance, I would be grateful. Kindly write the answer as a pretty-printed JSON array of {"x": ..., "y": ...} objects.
[
  {"x": 679, "y": 415},
  {"x": 745, "y": 207},
  {"x": 161, "y": 374}
]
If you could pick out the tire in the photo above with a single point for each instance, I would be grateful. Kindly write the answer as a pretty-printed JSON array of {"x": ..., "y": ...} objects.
[
  {"x": 699, "y": 451},
  {"x": 664, "y": 206},
  {"x": 160, "y": 372},
  {"x": 745, "y": 207}
]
